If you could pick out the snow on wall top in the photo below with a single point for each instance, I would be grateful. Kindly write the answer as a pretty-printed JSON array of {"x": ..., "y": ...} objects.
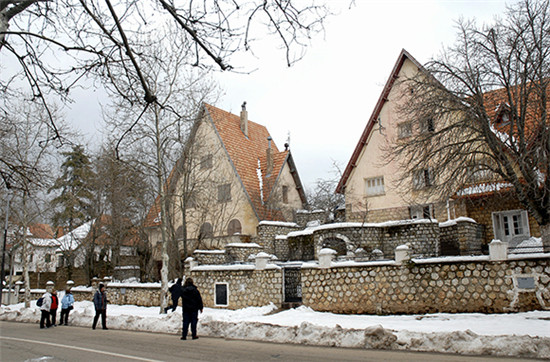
[
  {"x": 278, "y": 223},
  {"x": 311, "y": 230},
  {"x": 454, "y": 221}
]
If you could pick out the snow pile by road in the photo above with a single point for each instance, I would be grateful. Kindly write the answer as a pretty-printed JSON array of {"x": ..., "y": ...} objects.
[{"x": 519, "y": 334}]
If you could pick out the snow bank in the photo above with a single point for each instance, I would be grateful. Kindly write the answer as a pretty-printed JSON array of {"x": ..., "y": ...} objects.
[{"x": 513, "y": 335}]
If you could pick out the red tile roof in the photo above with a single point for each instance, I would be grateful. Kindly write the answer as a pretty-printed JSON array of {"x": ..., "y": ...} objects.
[
  {"x": 41, "y": 231},
  {"x": 244, "y": 153}
]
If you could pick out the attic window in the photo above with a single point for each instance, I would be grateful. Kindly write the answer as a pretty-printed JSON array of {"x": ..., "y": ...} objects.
[
  {"x": 427, "y": 125},
  {"x": 224, "y": 193},
  {"x": 285, "y": 194},
  {"x": 504, "y": 119},
  {"x": 404, "y": 130},
  {"x": 206, "y": 162}
]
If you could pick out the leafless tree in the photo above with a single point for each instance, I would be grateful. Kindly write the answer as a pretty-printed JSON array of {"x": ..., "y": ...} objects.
[
  {"x": 323, "y": 195},
  {"x": 53, "y": 46},
  {"x": 158, "y": 137},
  {"x": 480, "y": 112},
  {"x": 28, "y": 129}
]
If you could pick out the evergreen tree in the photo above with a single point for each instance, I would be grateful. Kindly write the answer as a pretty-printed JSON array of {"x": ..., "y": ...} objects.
[{"x": 74, "y": 202}]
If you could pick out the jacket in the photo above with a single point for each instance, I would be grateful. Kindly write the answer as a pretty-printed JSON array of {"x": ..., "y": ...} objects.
[
  {"x": 191, "y": 299},
  {"x": 55, "y": 302},
  {"x": 100, "y": 300},
  {"x": 47, "y": 303},
  {"x": 67, "y": 301},
  {"x": 176, "y": 291}
]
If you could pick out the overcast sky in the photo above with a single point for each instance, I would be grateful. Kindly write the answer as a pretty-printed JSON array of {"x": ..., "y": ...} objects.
[{"x": 325, "y": 100}]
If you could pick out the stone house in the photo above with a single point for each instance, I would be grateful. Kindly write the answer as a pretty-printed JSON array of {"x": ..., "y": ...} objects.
[
  {"x": 230, "y": 177},
  {"x": 373, "y": 194}
]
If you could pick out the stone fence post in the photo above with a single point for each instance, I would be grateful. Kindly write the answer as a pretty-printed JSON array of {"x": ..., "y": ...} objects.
[
  {"x": 261, "y": 260},
  {"x": 326, "y": 256},
  {"x": 498, "y": 250},
  {"x": 402, "y": 254},
  {"x": 190, "y": 263}
]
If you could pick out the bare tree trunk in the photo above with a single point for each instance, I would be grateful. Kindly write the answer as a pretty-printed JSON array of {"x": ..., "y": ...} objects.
[
  {"x": 163, "y": 215},
  {"x": 24, "y": 226}
]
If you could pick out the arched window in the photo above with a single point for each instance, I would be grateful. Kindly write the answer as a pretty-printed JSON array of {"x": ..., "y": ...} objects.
[
  {"x": 206, "y": 231},
  {"x": 234, "y": 227}
]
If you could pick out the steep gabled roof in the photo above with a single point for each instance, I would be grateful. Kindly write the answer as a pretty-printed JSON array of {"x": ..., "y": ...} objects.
[
  {"x": 373, "y": 118},
  {"x": 246, "y": 153},
  {"x": 248, "y": 157}
]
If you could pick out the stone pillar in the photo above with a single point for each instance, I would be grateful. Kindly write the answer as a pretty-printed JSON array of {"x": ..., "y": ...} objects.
[
  {"x": 18, "y": 285},
  {"x": 402, "y": 254},
  {"x": 498, "y": 250},
  {"x": 190, "y": 263},
  {"x": 326, "y": 256},
  {"x": 261, "y": 260}
]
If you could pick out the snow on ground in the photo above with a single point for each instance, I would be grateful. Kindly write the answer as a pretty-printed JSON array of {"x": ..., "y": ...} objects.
[{"x": 517, "y": 334}]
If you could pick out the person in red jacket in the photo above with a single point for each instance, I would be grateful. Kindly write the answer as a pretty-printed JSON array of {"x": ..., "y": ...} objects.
[{"x": 53, "y": 307}]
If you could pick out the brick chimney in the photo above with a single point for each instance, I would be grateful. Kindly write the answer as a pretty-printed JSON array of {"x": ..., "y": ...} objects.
[
  {"x": 244, "y": 119},
  {"x": 269, "y": 158}
]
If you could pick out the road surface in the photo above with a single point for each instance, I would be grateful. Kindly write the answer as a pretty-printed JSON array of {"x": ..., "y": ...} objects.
[{"x": 27, "y": 342}]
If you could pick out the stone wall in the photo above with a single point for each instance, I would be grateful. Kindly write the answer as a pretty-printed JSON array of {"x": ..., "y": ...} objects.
[
  {"x": 267, "y": 232},
  {"x": 240, "y": 253},
  {"x": 246, "y": 286},
  {"x": 347, "y": 238},
  {"x": 429, "y": 286},
  {"x": 210, "y": 257},
  {"x": 305, "y": 216},
  {"x": 462, "y": 236}
]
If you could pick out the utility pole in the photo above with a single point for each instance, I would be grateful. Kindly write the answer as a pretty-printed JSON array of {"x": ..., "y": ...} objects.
[{"x": 4, "y": 247}]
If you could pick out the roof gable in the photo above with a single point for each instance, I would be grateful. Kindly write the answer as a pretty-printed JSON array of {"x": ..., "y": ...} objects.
[
  {"x": 248, "y": 157},
  {"x": 404, "y": 55}
]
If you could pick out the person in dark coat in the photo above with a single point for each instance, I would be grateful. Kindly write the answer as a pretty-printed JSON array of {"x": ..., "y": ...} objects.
[
  {"x": 100, "y": 304},
  {"x": 175, "y": 291},
  {"x": 53, "y": 307},
  {"x": 191, "y": 302}
]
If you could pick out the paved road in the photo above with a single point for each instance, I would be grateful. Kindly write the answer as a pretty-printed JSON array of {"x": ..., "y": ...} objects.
[{"x": 27, "y": 342}]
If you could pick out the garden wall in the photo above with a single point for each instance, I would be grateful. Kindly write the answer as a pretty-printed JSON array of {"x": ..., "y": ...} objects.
[{"x": 450, "y": 285}]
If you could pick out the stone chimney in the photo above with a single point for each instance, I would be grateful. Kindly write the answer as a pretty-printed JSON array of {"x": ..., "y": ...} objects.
[
  {"x": 244, "y": 119},
  {"x": 269, "y": 158}
]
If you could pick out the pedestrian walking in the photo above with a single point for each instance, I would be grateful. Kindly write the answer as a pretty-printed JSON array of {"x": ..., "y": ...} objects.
[
  {"x": 45, "y": 310},
  {"x": 100, "y": 304},
  {"x": 175, "y": 291},
  {"x": 191, "y": 302},
  {"x": 66, "y": 306},
  {"x": 53, "y": 307}
]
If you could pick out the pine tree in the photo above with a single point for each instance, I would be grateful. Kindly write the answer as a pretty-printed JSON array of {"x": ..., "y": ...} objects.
[{"x": 74, "y": 202}]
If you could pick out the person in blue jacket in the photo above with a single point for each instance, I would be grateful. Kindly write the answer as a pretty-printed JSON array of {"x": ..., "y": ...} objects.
[
  {"x": 66, "y": 306},
  {"x": 100, "y": 304}
]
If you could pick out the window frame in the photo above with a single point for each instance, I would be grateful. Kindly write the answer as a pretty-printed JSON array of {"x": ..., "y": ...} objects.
[
  {"x": 375, "y": 188},
  {"x": 226, "y": 294},
  {"x": 505, "y": 226},
  {"x": 402, "y": 127},
  {"x": 207, "y": 162},
  {"x": 423, "y": 178},
  {"x": 224, "y": 193}
]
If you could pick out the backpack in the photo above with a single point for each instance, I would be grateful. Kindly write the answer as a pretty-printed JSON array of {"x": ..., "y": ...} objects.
[{"x": 40, "y": 301}]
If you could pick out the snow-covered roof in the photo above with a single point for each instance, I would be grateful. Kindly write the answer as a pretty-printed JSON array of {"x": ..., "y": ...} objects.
[{"x": 72, "y": 240}]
